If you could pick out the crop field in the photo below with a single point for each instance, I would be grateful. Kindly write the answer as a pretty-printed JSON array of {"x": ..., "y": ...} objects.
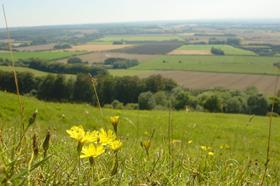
[
  {"x": 97, "y": 47},
  {"x": 36, "y": 47},
  {"x": 151, "y": 37},
  {"x": 163, "y": 47},
  {"x": 204, "y": 80},
  {"x": 234, "y": 64},
  {"x": 206, "y": 50},
  {"x": 202, "y": 148},
  {"x": 45, "y": 55},
  {"x": 33, "y": 71}
]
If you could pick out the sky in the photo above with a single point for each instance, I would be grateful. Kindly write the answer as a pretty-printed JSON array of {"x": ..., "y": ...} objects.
[{"x": 57, "y": 12}]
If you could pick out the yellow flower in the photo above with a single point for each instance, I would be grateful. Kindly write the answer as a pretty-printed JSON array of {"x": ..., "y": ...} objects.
[
  {"x": 203, "y": 148},
  {"x": 146, "y": 144},
  {"x": 116, "y": 145},
  {"x": 76, "y": 132},
  {"x": 90, "y": 137},
  {"x": 190, "y": 142},
  {"x": 211, "y": 153},
  {"x": 106, "y": 137},
  {"x": 115, "y": 120},
  {"x": 92, "y": 151}
]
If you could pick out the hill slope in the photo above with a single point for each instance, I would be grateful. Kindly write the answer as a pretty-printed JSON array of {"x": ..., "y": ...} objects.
[{"x": 246, "y": 140}]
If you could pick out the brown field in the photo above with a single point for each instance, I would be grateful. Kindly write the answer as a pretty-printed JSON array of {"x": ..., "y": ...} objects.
[
  {"x": 190, "y": 52},
  {"x": 36, "y": 47},
  {"x": 203, "y": 80},
  {"x": 99, "y": 57},
  {"x": 97, "y": 47}
]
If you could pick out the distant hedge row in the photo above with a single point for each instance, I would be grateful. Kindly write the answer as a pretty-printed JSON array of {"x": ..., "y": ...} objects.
[{"x": 154, "y": 92}]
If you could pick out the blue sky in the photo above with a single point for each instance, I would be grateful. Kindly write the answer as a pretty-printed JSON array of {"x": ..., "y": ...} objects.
[{"x": 54, "y": 12}]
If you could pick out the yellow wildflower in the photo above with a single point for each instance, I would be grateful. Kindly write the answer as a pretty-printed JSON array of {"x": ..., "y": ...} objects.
[
  {"x": 176, "y": 141},
  {"x": 146, "y": 145},
  {"x": 76, "y": 132},
  {"x": 211, "y": 153},
  {"x": 106, "y": 137},
  {"x": 115, "y": 120},
  {"x": 92, "y": 151},
  {"x": 190, "y": 142},
  {"x": 116, "y": 145},
  {"x": 90, "y": 137},
  {"x": 203, "y": 148}
]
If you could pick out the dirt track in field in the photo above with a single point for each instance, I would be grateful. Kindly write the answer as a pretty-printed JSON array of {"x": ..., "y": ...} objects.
[
  {"x": 205, "y": 80},
  {"x": 190, "y": 52},
  {"x": 97, "y": 48}
]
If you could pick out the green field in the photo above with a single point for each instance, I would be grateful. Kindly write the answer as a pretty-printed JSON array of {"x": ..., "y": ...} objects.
[
  {"x": 242, "y": 161},
  {"x": 128, "y": 72},
  {"x": 228, "y": 50},
  {"x": 45, "y": 55},
  {"x": 33, "y": 71},
  {"x": 233, "y": 64},
  {"x": 151, "y": 37}
]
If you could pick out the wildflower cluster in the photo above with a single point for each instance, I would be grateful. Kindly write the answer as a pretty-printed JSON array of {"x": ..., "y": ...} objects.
[
  {"x": 208, "y": 150},
  {"x": 94, "y": 143}
]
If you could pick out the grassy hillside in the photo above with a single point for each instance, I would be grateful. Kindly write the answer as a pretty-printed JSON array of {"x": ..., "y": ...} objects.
[
  {"x": 235, "y": 64},
  {"x": 46, "y": 55},
  {"x": 228, "y": 50},
  {"x": 33, "y": 71},
  {"x": 237, "y": 141}
]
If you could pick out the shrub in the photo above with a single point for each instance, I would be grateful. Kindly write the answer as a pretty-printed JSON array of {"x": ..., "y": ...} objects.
[
  {"x": 146, "y": 101},
  {"x": 217, "y": 51},
  {"x": 116, "y": 104}
]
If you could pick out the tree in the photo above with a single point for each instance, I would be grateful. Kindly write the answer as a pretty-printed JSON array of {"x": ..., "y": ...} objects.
[
  {"x": 213, "y": 104},
  {"x": 46, "y": 89},
  {"x": 217, "y": 51},
  {"x": 235, "y": 105},
  {"x": 146, "y": 101},
  {"x": 257, "y": 104},
  {"x": 83, "y": 90},
  {"x": 62, "y": 91},
  {"x": 161, "y": 99},
  {"x": 233, "y": 41},
  {"x": 74, "y": 60},
  {"x": 180, "y": 98}
]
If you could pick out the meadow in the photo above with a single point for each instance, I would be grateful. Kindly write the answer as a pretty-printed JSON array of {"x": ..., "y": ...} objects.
[
  {"x": 33, "y": 71},
  {"x": 199, "y": 148},
  {"x": 228, "y": 50},
  {"x": 228, "y": 64},
  {"x": 45, "y": 55}
]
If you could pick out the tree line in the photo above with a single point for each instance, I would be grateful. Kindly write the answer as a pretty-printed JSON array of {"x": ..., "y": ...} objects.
[{"x": 131, "y": 92}]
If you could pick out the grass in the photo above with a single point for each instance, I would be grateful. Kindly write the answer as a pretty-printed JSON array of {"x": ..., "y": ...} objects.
[
  {"x": 45, "y": 55},
  {"x": 151, "y": 37},
  {"x": 128, "y": 72},
  {"x": 229, "y": 50},
  {"x": 240, "y": 163},
  {"x": 229, "y": 64},
  {"x": 33, "y": 71}
]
